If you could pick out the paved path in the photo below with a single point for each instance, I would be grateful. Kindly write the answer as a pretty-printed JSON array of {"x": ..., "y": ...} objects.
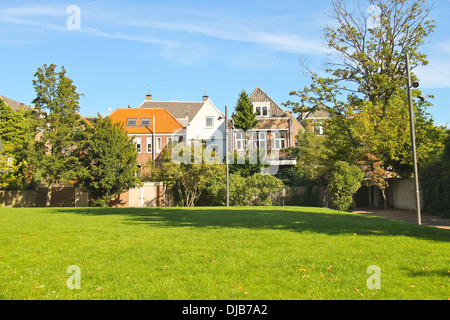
[{"x": 408, "y": 216}]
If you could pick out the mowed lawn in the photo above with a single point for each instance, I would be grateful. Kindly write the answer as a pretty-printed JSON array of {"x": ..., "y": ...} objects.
[{"x": 218, "y": 253}]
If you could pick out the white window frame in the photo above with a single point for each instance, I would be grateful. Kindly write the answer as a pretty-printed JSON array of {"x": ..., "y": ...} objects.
[
  {"x": 262, "y": 140},
  {"x": 172, "y": 141},
  {"x": 149, "y": 144},
  {"x": 259, "y": 111},
  {"x": 239, "y": 140},
  {"x": 212, "y": 122},
  {"x": 158, "y": 144},
  {"x": 278, "y": 140},
  {"x": 138, "y": 142}
]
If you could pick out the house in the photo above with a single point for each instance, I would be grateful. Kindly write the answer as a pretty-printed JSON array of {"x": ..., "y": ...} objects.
[
  {"x": 275, "y": 130},
  {"x": 204, "y": 123},
  {"x": 314, "y": 120},
  {"x": 16, "y": 106},
  {"x": 152, "y": 129}
]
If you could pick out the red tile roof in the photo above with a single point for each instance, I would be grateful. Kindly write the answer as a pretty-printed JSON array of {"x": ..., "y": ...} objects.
[{"x": 164, "y": 121}]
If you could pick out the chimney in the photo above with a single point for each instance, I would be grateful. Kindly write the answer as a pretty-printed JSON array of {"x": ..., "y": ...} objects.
[
  {"x": 205, "y": 98},
  {"x": 148, "y": 97}
]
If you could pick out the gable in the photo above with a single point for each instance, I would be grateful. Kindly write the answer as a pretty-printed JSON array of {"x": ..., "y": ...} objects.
[
  {"x": 16, "y": 106},
  {"x": 260, "y": 96}
]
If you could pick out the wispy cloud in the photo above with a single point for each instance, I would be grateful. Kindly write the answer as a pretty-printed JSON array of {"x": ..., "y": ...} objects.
[{"x": 177, "y": 33}]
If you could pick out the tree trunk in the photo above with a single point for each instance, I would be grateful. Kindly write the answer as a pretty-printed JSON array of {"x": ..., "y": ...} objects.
[
  {"x": 384, "y": 198},
  {"x": 49, "y": 194}
]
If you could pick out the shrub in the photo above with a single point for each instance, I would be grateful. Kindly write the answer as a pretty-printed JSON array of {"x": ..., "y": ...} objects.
[
  {"x": 244, "y": 191},
  {"x": 344, "y": 181}
]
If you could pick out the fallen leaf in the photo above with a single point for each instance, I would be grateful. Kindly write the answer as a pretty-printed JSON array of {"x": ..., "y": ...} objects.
[
  {"x": 212, "y": 260},
  {"x": 305, "y": 276},
  {"x": 99, "y": 289},
  {"x": 302, "y": 270},
  {"x": 240, "y": 288},
  {"x": 356, "y": 290},
  {"x": 334, "y": 279}
]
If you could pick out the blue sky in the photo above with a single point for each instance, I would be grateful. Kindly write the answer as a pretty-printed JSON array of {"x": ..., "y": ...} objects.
[{"x": 179, "y": 49}]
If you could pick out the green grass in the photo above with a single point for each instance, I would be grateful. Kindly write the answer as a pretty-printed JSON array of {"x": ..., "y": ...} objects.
[{"x": 218, "y": 253}]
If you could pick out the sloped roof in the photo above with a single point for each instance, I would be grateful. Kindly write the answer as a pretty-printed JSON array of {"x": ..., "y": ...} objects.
[
  {"x": 179, "y": 109},
  {"x": 322, "y": 112},
  {"x": 16, "y": 106},
  {"x": 260, "y": 96},
  {"x": 164, "y": 121}
]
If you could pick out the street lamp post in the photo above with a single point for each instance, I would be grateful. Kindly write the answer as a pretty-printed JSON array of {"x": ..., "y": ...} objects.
[
  {"x": 413, "y": 138},
  {"x": 226, "y": 155}
]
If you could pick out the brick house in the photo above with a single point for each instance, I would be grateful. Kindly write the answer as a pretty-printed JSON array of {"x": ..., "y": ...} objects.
[
  {"x": 275, "y": 130},
  {"x": 204, "y": 122},
  {"x": 151, "y": 129}
]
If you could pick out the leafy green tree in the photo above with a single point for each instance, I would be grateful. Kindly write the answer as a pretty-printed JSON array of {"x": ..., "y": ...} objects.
[
  {"x": 435, "y": 183},
  {"x": 60, "y": 123},
  {"x": 344, "y": 181},
  {"x": 244, "y": 118},
  {"x": 374, "y": 174},
  {"x": 190, "y": 178},
  {"x": 249, "y": 162},
  {"x": 108, "y": 161},
  {"x": 365, "y": 86},
  {"x": 16, "y": 137},
  {"x": 312, "y": 157}
]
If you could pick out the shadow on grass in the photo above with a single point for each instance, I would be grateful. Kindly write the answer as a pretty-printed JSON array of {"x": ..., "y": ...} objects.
[{"x": 296, "y": 219}]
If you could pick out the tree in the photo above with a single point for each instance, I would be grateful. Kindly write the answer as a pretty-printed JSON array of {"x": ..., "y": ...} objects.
[
  {"x": 364, "y": 86},
  {"x": 344, "y": 181},
  {"x": 16, "y": 137},
  {"x": 435, "y": 183},
  {"x": 56, "y": 95},
  {"x": 188, "y": 178},
  {"x": 244, "y": 118},
  {"x": 108, "y": 161},
  {"x": 256, "y": 189},
  {"x": 374, "y": 174},
  {"x": 312, "y": 157}
]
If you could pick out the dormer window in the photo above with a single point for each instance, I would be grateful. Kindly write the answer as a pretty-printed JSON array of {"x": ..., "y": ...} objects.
[
  {"x": 145, "y": 122},
  {"x": 131, "y": 122},
  {"x": 262, "y": 111}
]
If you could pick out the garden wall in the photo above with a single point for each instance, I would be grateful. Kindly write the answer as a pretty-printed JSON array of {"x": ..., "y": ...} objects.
[{"x": 63, "y": 195}]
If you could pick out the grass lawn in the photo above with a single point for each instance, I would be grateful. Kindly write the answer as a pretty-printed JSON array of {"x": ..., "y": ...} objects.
[{"x": 218, "y": 253}]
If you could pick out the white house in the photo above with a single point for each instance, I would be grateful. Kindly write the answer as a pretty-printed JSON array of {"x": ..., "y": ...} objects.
[{"x": 204, "y": 122}]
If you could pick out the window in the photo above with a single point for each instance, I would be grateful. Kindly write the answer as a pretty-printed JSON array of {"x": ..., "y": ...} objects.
[
  {"x": 172, "y": 141},
  {"x": 145, "y": 122},
  {"x": 280, "y": 140},
  {"x": 259, "y": 140},
  {"x": 138, "y": 142},
  {"x": 139, "y": 170},
  {"x": 131, "y": 122},
  {"x": 240, "y": 141},
  {"x": 318, "y": 128},
  {"x": 158, "y": 144},
  {"x": 209, "y": 122},
  {"x": 261, "y": 111},
  {"x": 213, "y": 144},
  {"x": 149, "y": 145}
]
